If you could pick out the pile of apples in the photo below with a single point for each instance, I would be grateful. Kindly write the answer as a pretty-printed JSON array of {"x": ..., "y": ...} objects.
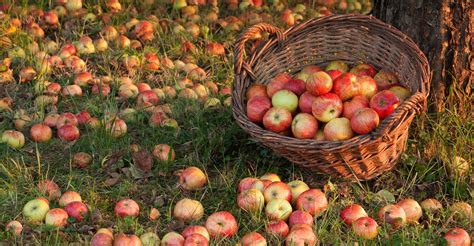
[{"x": 333, "y": 105}]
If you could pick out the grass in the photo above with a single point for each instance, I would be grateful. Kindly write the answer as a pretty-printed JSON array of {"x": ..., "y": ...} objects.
[{"x": 211, "y": 140}]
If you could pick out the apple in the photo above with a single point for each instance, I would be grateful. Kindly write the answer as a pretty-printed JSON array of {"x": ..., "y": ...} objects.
[
  {"x": 338, "y": 129},
  {"x": 253, "y": 239},
  {"x": 221, "y": 224},
  {"x": 196, "y": 229},
  {"x": 285, "y": 99},
  {"x": 82, "y": 117},
  {"x": 363, "y": 69},
  {"x": 393, "y": 215},
  {"x": 401, "y": 92},
  {"x": 337, "y": 65},
  {"x": 251, "y": 200},
  {"x": 81, "y": 160},
  {"x": 296, "y": 86},
  {"x": 146, "y": 99},
  {"x": 116, "y": 127},
  {"x": 270, "y": 176},
  {"x": 461, "y": 211},
  {"x": 365, "y": 227},
  {"x": 122, "y": 239},
  {"x": 15, "y": 227},
  {"x": 49, "y": 188},
  {"x": 53, "y": 89},
  {"x": 278, "y": 209},
  {"x": 457, "y": 237},
  {"x": 346, "y": 86},
  {"x": 385, "y": 79},
  {"x": 297, "y": 187},
  {"x": 367, "y": 86},
  {"x": 277, "y": 190},
  {"x": 103, "y": 237},
  {"x": 300, "y": 217},
  {"x": 83, "y": 79},
  {"x": 431, "y": 205},
  {"x": 364, "y": 121},
  {"x": 35, "y": 211},
  {"x": 14, "y": 139},
  {"x": 172, "y": 238},
  {"x": 76, "y": 210},
  {"x": 51, "y": 120},
  {"x": 163, "y": 152},
  {"x": 66, "y": 119},
  {"x": 305, "y": 102},
  {"x": 301, "y": 235},
  {"x": 149, "y": 239},
  {"x": 457, "y": 167},
  {"x": 56, "y": 217},
  {"x": 188, "y": 210},
  {"x": 412, "y": 210},
  {"x": 40, "y": 133},
  {"x": 128, "y": 91},
  {"x": 72, "y": 90},
  {"x": 245, "y": 184},
  {"x": 277, "y": 119},
  {"x": 261, "y": 185},
  {"x": 126, "y": 207},
  {"x": 192, "y": 178},
  {"x": 277, "y": 83},
  {"x": 306, "y": 71},
  {"x": 351, "y": 213},
  {"x": 384, "y": 103},
  {"x": 73, "y": 5},
  {"x": 354, "y": 104},
  {"x": 277, "y": 228},
  {"x": 313, "y": 201},
  {"x": 319, "y": 83},
  {"x": 326, "y": 107},
  {"x": 196, "y": 240},
  {"x": 304, "y": 126},
  {"x": 68, "y": 197},
  {"x": 68, "y": 133},
  {"x": 334, "y": 74},
  {"x": 257, "y": 106}
]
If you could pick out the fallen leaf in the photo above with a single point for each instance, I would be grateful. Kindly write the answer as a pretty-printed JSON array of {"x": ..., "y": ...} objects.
[
  {"x": 154, "y": 214},
  {"x": 143, "y": 160},
  {"x": 385, "y": 195},
  {"x": 96, "y": 216}
]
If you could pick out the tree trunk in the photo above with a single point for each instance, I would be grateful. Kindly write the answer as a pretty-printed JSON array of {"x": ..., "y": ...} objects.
[{"x": 443, "y": 29}]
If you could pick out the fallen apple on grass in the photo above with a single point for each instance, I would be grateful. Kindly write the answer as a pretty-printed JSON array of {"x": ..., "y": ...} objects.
[
  {"x": 123, "y": 239},
  {"x": 56, "y": 217},
  {"x": 278, "y": 209},
  {"x": 412, "y": 210},
  {"x": 300, "y": 217},
  {"x": 13, "y": 139},
  {"x": 196, "y": 240},
  {"x": 188, "y": 210},
  {"x": 457, "y": 237},
  {"x": 192, "y": 178},
  {"x": 277, "y": 190},
  {"x": 365, "y": 227},
  {"x": 251, "y": 200},
  {"x": 431, "y": 205},
  {"x": 301, "y": 234},
  {"x": 253, "y": 239},
  {"x": 196, "y": 229},
  {"x": 313, "y": 201},
  {"x": 76, "y": 210},
  {"x": 149, "y": 239},
  {"x": 103, "y": 237},
  {"x": 49, "y": 188},
  {"x": 81, "y": 159},
  {"x": 351, "y": 213},
  {"x": 393, "y": 215},
  {"x": 14, "y": 227},
  {"x": 68, "y": 197},
  {"x": 277, "y": 228},
  {"x": 35, "y": 211},
  {"x": 40, "y": 133},
  {"x": 221, "y": 224},
  {"x": 172, "y": 238},
  {"x": 297, "y": 187},
  {"x": 126, "y": 207},
  {"x": 245, "y": 184}
]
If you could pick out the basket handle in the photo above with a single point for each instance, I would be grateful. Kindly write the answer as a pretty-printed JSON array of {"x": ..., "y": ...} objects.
[{"x": 240, "y": 63}]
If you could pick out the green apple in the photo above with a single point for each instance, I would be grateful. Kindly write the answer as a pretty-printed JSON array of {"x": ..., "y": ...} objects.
[
  {"x": 149, "y": 239},
  {"x": 35, "y": 211},
  {"x": 285, "y": 99},
  {"x": 278, "y": 209}
]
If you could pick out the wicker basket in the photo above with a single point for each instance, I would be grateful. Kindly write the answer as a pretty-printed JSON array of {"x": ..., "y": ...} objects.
[{"x": 352, "y": 38}]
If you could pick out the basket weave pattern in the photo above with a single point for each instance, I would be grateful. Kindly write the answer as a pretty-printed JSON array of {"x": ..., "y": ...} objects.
[{"x": 351, "y": 38}]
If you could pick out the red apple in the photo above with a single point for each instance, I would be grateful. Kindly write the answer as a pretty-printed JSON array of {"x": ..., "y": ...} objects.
[
  {"x": 277, "y": 190},
  {"x": 277, "y": 83},
  {"x": 253, "y": 239},
  {"x": 49, "y": 188},
  {"x": 319, "y": 83},
  {"x": 412, "y": 210},
  {"x": 334, "y": 74},
  {"x": 82, "y": 117},
  {"x": 251, "y": 200},
  {"x": 146, "y": 99},
  {"x": 278, "y": 209},
  {"x": 68, "y": 133},
  {"x": 296, "y": 86},
  {"x": 300, "y": 217},
  {"x": 368, "y": 86},
  {"x": 301, "y": 235},
  {"x": 431, "y": 205},
  {"x": 363, "y": 70},
  {"x": 326, "y": 107},
  {"x": 277, "y": 228},
  {"x": 337, "y": 65},
  {"x": 66, "y": 119},
  {"x": 297, "y": 187},
  {"x": 72, "y": 90},
  {"x": 245, "y": 184},
  {"x": 103, "y": 238},
  {"x": 306, "y": 102},
  {"x": 142, "y": 87},
  {"x": 14, "y": 227},
  {"x": 304, "y": 126},
  {"x": 68, "y": 197},
  {"x": 346, "y": 86},
  {"x": 313, "y": 201},
  {"x": 393, "y": 215},
  {"x": 257, "y": 106},
  {"x": 385, "y": 79},
  {"x": 116, "y": 127},
  {"x": 51, "y": 120},
  {"x": 192, "y": 178},
  {"x": 188, "y": 210},
  {"x": 401, "y": 92},
  {"x": 354, "y": 104},
  {"x": 76, "y": 210},
  {"x": 338, "y": 129},
  {"x": 221, "y": 224},
  {"x": 306, "y": 71},
  {"x": 172, "y": 239},
  {"x": 56, "y": 217},
  {"x": 196, "y": 240},
  {"x": 364, "y": 121},
  {"x": 261, "y": 185},
  {"x": 126, "y": 207},
  {"x": 277, "y": 119},
  {"x": 351, "y": 213},
  {"x": 195, "y": 229},
  {"x": 457, "y": 237},
  {"x": 40, "y": 133},
  {"x": 163, "y": 152},
  {"x": 127, "y": 240},
  {"x": 270, "y": 176},
  {"x": 384, "y": 103},
  {"x": 365, "y": 227},
  {"x": 285, "y": 99}
]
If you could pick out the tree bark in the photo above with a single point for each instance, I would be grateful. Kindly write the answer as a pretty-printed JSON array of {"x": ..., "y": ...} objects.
[{"x": 443, "y": 29}]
